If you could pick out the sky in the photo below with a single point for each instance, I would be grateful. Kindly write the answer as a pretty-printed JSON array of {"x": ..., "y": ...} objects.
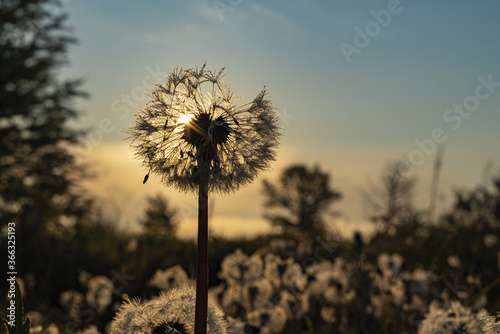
[{"x": 357, "y": 84}]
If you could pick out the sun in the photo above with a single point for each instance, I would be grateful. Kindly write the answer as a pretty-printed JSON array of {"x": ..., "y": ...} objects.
[{"x": 184, "y": 119}]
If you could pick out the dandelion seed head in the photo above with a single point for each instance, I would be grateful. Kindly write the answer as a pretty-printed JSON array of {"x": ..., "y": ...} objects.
[
  {"x": 240, "y": 327},
  {"x": 130, "y": 318},
  {"x": 51, "y": 329},
  {"x": 454, "y": 319},
  {"x": 415, "y": 303},
  {"x": 284, "y": 273},
  {"x": 390, "y": 265},
  {"x": 293, "y": 277},
  {"x": 231, "y": 299},
  {"x": 454, "y": 261},
  {"x": 272, "y": 272},
  {"x": 331, "y": 281},
  {"x": 173, "y": 312},
  {"x": 490, "y": 324},
  {"x": 294, "y": 306},
  {"x": 256, "y": 294},
  {"x": 99, "y": 293},
  {"x": 194, "y": 131},
  {"x": 270, "y": 320},
  {"x": 177, "y": 306},
  {"x": 169, "y": 328},
  {"x": 70, "y": 301},
  {"x": 169, "y": 278},
  {"x": 239, "y": 268},
  {"x": 490, "y": 240},
  {"x": 92, "y": 329},
  {"x": 328, "y": 314}
]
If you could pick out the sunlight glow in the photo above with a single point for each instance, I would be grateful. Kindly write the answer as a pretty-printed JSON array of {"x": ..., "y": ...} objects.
[{"x": 183, "y": 119}]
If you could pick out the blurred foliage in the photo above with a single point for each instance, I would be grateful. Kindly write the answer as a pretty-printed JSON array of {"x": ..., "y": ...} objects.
[
  {"x": 298, "y": 202},
  {"x": 38, "y": 173},
  {"x": 19, "y": 325},
  {"x": 391, "y": 202},
  {"x": 159, "y": 218},
  {"x": 95, "y": 246}
]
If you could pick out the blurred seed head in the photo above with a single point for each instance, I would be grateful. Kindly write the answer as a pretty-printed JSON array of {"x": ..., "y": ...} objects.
[
  {"x": 454, "y": 319},
  {"x": 270, "y": 320},
  {"x": 239, "y": 268},
  {"x": 490, "y": 324},
  {"x": 169, "y": 278},
  {"x": 99, "y": 293}
]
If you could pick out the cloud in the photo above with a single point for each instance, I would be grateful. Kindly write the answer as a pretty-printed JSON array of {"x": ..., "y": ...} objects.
[
  {"x": 226, "y": 226},
  {"x": 119, "y": 185},
  {"x": 272, "y": 16}
]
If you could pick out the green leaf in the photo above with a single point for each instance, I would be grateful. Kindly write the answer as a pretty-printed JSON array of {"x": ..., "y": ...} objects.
[
  {"x": 19, "y": 327},
  {"x": 19, "y": 308}
]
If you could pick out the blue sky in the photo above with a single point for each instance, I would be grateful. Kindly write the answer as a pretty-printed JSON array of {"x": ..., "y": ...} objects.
[{"x": 349, "y": 117}]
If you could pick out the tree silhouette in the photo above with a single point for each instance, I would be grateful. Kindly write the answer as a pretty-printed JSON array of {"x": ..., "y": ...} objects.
[
  {"x": 159, "y": 220},
  {"x": 298, "y": 202},
  {"x": 37, "y": 171},
  {"x": 390, "y": 203},
  {"x": 479, "y": 206}
]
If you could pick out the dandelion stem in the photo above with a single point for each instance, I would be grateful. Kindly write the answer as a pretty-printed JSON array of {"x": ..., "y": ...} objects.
[{"x": 202, "y": 263}]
